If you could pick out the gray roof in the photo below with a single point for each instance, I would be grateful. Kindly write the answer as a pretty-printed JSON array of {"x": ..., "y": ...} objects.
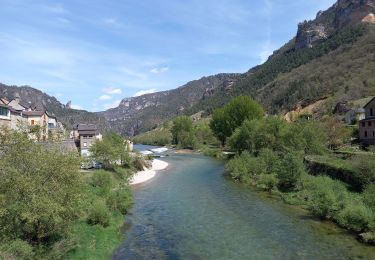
[{"x": 85, "y": 127}]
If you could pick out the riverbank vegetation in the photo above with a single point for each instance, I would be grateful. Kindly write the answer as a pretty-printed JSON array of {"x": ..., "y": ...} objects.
[
  {"x": 273, "y": 155},
  {"x": 51, "y": 210}
]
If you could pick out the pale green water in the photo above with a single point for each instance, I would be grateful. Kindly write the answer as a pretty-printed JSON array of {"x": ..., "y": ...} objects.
[{"x": 191, "y": 211}]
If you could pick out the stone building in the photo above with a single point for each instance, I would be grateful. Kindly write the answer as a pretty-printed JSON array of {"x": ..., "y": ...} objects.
[{"x": 367, "y": 125}]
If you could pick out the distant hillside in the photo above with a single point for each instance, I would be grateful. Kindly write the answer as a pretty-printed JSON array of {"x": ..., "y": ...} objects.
[
  {"x": 139, "y": 114},
  {"x": 67, "y": 116}
]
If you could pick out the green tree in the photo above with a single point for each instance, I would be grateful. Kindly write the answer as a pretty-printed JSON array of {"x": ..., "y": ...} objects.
[
  {"x": 40, "y": 190},
  {"x": 183, "y": 132},
  {"x": 231, "y": 116},
  {"x": 290, "y": 171},
  {"x": 110, "y": 151}
]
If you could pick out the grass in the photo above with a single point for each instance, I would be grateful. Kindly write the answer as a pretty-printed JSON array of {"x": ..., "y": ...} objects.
[
  {"x": 97, "y": 242},
  {"x": 331, "y": 161}
]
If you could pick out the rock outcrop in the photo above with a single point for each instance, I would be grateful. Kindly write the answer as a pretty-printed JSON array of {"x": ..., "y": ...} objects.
[{"x": 343, "y": 13}]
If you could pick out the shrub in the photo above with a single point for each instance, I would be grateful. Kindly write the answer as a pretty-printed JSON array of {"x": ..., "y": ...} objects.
[
  {"x": 327, "y": 197},
  {"x": 102, "y": 180},
  {"x": 369, "y": 196},
  {"x": 290, "y": 171},
  {"x": 356, "y": 216},
  {"x": 268, "y": 182},
  {"x": 16, "y": 249},
  {"x": 120, "y": 200},
  {"x": 139, "y": 162},
  {"x": 246, "y": 168},
  {"x": 98, "y": 214}
]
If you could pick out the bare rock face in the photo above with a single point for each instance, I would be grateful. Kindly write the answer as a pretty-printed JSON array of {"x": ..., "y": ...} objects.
[
  {"x": 350, "y": 12},
  {"x": 308, "y": 35},
  {"x": 343, "y": 13}
]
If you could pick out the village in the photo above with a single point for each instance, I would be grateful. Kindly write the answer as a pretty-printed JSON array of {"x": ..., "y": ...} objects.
[{"x": 43, "y": 126}]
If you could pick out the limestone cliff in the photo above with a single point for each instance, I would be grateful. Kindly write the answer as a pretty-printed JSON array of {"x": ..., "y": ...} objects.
[{"x": 343, "y": 13}]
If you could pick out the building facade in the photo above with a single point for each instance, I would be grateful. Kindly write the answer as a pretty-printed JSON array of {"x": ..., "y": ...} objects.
[
  {"x": 85, "y": 136},
  {"x": 367, "y": 125}
]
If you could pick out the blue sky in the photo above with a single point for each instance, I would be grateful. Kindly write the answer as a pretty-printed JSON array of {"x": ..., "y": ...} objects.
[{"x": 95, "y": 53}]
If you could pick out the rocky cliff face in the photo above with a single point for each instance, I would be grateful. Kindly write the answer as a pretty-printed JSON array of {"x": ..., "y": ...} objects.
[
  {"x": 138, "y": 114},
  {"x": 343, "y": 13}
]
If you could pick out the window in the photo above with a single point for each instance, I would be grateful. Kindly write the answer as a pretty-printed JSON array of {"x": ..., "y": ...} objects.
[
  {"x": 363, "y": 124},
  {"x": 369, "y": 123},
  {"x": 85, "y": 144},
  {"x": 4, "y": 111},
  {"x": 365, "y": 133},
  {"x": 32, "y": 122}
]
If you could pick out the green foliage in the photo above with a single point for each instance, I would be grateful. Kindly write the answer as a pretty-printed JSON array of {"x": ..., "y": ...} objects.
[
  {"x": 110, "y": 151},
  {"x": 183, "y": 132},
  {"x": 204, "y": 134},
  {"x": 369, "y": 197},
  {"x": 276, "y": 134},
  {"x": 120, "y": 200},
  {"x": 39, "y": 190},
  {"x": 290, "y": 171},
  {"x": 158, "y": 137},
  {"x": 246, "y": 168},
  {"x": 268, "y": 182},
  {"x": 225, "y": 120},
  {"x": 102, "y": 180},
  {"x": 356, "y": 216},
  {"x": 139, "y": 162},
  {"x": 16, "y": 249},
  {"x": 99, "y": 214},
  {"x": 327, "y": 196}
]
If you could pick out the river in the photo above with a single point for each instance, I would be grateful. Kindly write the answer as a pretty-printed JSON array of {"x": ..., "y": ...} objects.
[{"x": 191, "y": 211}]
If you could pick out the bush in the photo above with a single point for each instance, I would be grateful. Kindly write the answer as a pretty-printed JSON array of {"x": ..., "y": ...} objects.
[
  {"x": 139, "y": 162},
  {"x": 120, "y": 200},
  {"x": 16, "y": 249},
  {"x": 102, "y": 180},
  {"x": 40, "y": 190},
  {"x": 369, "y": 196},
  {"x": 268, "y": 182},
  {"x": 356, "y": 216},
  {"x": 327, "y": 197},
  {"x": 246, "y": 168},
  {"x": 290, "y": 171},
  {"x": 98, "y": 214}
]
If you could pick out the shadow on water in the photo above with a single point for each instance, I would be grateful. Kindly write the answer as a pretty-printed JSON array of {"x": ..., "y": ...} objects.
[{"x": 191, "y": 211}]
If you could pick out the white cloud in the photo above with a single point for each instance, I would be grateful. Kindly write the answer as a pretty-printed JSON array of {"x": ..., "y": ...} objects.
[
  {"x": 159, "y": 70},
  {"x": 143, "y": 92},
  {"x": 113, "y": 21},
  {"x": 77, "y": 107},
  {"x": 112, "y": 105},
  {"x": 57, "y": 8},
  {"x": 105, "y": 97},
  {"x": 112, "y": 91}
]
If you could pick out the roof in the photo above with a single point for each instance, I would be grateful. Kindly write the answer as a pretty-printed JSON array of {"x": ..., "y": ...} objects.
[
  {"x": 4, "y": 101},
  {"x": 87, "y": 132},
  {"x": 33, "y": 113},
  {"x": 85, "y": 127},
  {"x": 368, "y": 103}
]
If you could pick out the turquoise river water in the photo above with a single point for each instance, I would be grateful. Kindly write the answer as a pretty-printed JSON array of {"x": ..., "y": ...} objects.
[{"x": 191, "y": 211}]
